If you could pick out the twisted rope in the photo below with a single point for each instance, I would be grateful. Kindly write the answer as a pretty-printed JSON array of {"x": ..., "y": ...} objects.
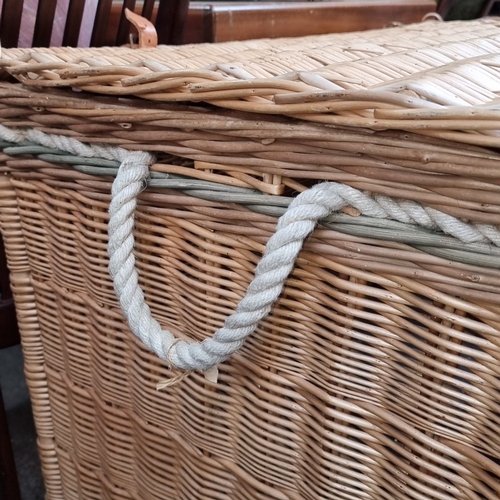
[
  {"x": 272, "y": 271},
  {"x": 64, "y": 143}
]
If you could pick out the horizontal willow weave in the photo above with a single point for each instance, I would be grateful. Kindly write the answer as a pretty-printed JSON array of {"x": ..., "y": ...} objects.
[{"x": 376, "y": 375}]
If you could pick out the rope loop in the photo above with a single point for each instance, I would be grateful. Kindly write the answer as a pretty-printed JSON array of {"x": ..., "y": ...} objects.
[{"x": 272, "y": 271}]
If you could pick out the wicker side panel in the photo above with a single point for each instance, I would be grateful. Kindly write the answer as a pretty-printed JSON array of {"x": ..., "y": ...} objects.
[
  {"x": 362, "y": 384},
  {"x": 30, "y": 327}
]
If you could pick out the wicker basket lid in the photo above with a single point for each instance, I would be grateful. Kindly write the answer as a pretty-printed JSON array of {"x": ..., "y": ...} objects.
[{"x": 438, "y": 79}]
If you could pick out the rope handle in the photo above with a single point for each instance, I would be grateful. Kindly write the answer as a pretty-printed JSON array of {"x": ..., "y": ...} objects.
[
  {"x": 270, "y": 275},
  {"x": 272, "y": 271}
]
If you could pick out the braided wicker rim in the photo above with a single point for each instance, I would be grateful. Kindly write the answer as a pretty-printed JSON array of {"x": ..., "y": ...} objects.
[{"x": 423, "y": 77}]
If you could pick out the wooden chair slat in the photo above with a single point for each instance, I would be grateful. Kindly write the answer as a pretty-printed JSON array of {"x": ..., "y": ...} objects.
[
  {"x": 44, "y": 23},
  {"x": 73, "y": 23},
  {"x": 101, "y": 20},
  {"x": 10, "y": 23},
  {"x": 122, "y": 36},
  {"x": 147, "y": 9}
]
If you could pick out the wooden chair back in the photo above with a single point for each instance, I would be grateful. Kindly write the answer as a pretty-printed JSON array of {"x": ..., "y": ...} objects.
[{"x": 43, "y": 23}]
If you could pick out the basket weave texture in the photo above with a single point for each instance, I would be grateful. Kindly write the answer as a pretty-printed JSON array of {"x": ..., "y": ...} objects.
[{"x": 376, "y": 374}]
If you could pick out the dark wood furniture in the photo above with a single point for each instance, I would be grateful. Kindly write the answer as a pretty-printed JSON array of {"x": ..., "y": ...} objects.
[
  {"x": 491, "y": 8},
  {"x": 460, "y": 9},
  {"x": 92, "y": 16},
  {"x": 225, "y": 21},
  {"x": 219, "y": 21}
]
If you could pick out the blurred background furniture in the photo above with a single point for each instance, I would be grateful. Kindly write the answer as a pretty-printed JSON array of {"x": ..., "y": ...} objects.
[
  {"x": 220, "y": 21},
  {"x": 225, "y": 21},
  {"x": 43, "y": 23},
  {"x": 491, "y": 8},
  {"x": 102, "y": 22},
  {"x": 451, "y": 10}
]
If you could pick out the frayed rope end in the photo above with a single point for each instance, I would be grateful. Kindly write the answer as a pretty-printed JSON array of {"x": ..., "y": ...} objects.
[{"x": 211, "y": 374}]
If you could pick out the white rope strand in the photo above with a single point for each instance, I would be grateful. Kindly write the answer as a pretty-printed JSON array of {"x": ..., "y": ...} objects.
[
  {"x": 64, "y": 143},
  {"x": 274, "y": 268},
  {"x": 272, "y": 271}
]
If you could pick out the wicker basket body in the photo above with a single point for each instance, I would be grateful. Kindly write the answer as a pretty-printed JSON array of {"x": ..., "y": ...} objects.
[{"x": 376, "y": 374}]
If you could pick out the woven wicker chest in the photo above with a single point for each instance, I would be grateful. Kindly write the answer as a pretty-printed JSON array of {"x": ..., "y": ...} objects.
[{"x": 260, "y": 270}]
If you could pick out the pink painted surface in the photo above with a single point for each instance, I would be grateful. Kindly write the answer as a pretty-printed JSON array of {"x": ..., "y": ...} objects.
[
  {"x": 59, "y": 23},
  {"x": 87, "y": 23},
  {"x": 28, "y": 23}
]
